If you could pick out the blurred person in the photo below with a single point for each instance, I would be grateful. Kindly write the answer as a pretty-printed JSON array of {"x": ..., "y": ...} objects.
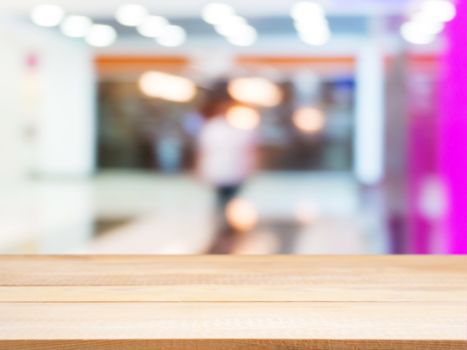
[
  {"x": 193, "y": 123},
  {"x": 226, "y": 159},
  {"x": 169, "y": 152}
]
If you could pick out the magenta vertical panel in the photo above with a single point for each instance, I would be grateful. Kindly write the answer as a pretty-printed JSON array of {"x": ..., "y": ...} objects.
[
  {"x": 453, "y": 131},
  {"x": 420, "y": 165},
  {"x": 421, "y": 148}
]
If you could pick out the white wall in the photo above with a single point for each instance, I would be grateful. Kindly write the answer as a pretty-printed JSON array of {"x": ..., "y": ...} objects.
[
  {"x": 67, "y": 127},
  {"x": 12, "y": 148},
  {"x": 62, "y": 115}
]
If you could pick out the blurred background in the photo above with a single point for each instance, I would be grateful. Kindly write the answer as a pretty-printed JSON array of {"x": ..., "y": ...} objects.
[{"x": 357, "y": 110}]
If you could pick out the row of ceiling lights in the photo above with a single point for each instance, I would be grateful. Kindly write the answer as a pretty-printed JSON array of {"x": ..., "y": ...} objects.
[
  {"x": 229, "y": 24},
  {"x": 309, "y": 18},
  {"x": 427, "y": 19},
  {"x": 101, "y": 35},
  {"x": 74, "y": 26},
  {"x": 150, "y": 26}
]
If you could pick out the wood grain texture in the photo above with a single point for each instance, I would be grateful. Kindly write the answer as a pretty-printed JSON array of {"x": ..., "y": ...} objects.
[{"x": 209, "y": 302}]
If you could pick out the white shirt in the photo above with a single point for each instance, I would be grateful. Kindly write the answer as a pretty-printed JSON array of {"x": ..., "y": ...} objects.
[{"x": 227, "y": 154}]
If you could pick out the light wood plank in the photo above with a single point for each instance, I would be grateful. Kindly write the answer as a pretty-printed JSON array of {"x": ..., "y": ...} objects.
[
  {"x": 344, "y": 320},
  {"x": 238, "y": 279},
  {"x": 227, "y": 293}
]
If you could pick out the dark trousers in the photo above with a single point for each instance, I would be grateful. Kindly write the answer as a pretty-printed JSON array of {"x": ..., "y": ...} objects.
[
  {"x": 225, "y": 232},
  {"x": 224, "y": 195}
]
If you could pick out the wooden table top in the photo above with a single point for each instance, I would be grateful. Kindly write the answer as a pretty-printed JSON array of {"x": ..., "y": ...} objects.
[{"x": 210, "y": 302}]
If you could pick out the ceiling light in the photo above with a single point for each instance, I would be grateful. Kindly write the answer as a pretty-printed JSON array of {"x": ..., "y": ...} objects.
[
  {"x": 230, "y": 25},
  {"x": 47, "y": 15},
  {"x": 438, "y": 10},
  {"x": 172, "y": 36},
  {"x": 317, "y": 38},
  {"x": 243, "y": 118},
  {"x": 319, "y": 35},
  {"x": 215, "y": 13},
  {"x": 257, "y": 91},
  {"x": 167, "y": 86},
  {"x": 131, "y": 15},
  {"x": 100, "y": 35},
  {"x": 308, "y": 119},
  {"x": 307, "y": 11},
  {"x": 242, "y": 40},
  {"x": 310, "y": 26},
  {"x": 76, "y": 26},
  {"x": 244, "y": 36},
  {"x": 423, "y": 25},
  {"x": 311, "y": 23},
  {"x": 416, "y": 35},
  {"x": 152, "y": 26}
]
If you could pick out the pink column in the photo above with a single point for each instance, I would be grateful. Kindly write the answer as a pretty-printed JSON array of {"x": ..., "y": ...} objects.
[{"x": 453, "y": 131}]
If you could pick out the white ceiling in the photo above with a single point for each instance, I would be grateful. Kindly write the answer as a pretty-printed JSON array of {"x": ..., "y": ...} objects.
[{"x": 192, "y": 8}]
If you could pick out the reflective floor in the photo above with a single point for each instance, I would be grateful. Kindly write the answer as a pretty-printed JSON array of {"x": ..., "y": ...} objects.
[{"x": 143, "y": 213}]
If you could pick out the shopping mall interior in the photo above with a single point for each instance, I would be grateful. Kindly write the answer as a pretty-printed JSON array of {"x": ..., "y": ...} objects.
[{"x": 233, "y": 127}]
